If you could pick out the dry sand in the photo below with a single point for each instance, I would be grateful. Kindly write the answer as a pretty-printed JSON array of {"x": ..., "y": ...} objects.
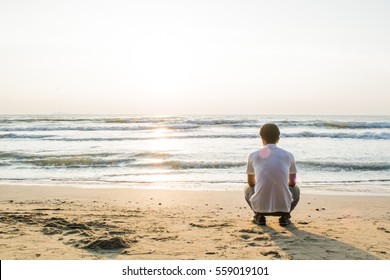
[{"x": 38, "y": 222}]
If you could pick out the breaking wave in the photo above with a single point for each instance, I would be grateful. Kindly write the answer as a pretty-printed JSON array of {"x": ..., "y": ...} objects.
[
  {"x": 78, "y": 160},
  {"x": 346, "y": 166},
  {"x": 178, "y": 165}
]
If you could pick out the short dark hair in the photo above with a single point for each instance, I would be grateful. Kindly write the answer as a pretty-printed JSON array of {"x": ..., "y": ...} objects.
[{"x": 270, "y": 133}]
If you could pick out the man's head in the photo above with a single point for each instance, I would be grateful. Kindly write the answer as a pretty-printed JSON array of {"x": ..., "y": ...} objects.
[{"x": 269, "y": 133}]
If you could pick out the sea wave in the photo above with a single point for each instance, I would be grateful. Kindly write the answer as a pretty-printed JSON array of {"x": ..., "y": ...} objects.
[
  {"x": 304, "y": 134},
  {"x": 91, "y": 119},
  {"x": 178, "y": 164},
  {"x": 308, "y": 134},
  {"x": 345, "y": 166},
  {"x": 124, "y": 123},
  {"x": 256, "y": 123},
  {"x": 98, "y": 128},
  {"x": 334, "y": 124},
  {"x": 135, "y": 160},
  {"x": 74, "y": 128},
  {"x": 235, "y": 121},
  {"x": 152, "y": 120},
  {"x": 109, "y": 160},
  {"x": 218, "y": 121},
  {"x": 70, "y": 160},
  {"x": 78, "y": 160},
  {"x": 337, "y": 182},
  {"x": 8, "y": 120},
  {"x": 24, "y": 136},
  {"x": 354, "y": 125},
  {"x": 232, "y": 136},
  {"x": 20, "y": 155},
  {"x": 152, "y": 154}
]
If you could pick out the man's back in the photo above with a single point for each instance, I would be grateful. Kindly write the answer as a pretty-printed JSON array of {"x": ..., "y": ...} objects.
[{"x": 271, "y": 167}]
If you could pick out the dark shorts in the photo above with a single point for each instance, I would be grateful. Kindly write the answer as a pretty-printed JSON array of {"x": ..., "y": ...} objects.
[{"x": 295, "y": 191}]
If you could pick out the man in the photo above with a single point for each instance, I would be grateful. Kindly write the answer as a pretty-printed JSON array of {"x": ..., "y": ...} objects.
[{"x": 271, "y": 175}]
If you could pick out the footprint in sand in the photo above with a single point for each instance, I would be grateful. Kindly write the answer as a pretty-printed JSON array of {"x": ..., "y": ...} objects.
[
  {"x": 165, "y": 238},
  {"x": 245, "y": 236},
  {"x": 51, "y": 231},
  {"x": 121, "y": 232},
  {"x": 251, "y": 231},
  {"x": 330, "y": 251},
  {"x": 209, "y": 225},
  {"x": 271, "y": 253},
  {"x": 114, "y": 243},
  {"x": 61, "y": 224},
  {"x": 261, "y": 238},
  {"x": 383, "y": 229}
]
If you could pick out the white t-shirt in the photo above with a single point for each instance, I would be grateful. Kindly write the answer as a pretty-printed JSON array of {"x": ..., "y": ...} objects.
[{"x": 271, "y": 166}]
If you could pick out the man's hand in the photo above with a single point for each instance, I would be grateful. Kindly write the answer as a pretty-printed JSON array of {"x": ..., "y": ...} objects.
[
  {"x": 251, "y": 180},
  {"x": 292, "y": 180}
]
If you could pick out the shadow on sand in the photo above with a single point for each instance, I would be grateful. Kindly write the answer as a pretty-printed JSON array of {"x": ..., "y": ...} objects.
[{"x": 302, "y": 245}]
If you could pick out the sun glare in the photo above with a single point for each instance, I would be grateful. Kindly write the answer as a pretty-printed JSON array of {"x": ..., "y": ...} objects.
[
  {"x": 160, "y": 132},
  {"x": 162, "y": 141}
]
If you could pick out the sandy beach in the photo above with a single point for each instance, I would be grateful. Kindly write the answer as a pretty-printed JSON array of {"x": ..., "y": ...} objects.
[{"x": 40, "y": 222}]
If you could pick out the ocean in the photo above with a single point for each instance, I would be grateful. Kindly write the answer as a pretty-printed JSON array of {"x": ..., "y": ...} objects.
[{"x": 334, "y": 154}]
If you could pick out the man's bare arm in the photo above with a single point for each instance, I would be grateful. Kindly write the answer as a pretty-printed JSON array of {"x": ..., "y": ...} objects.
[
  {"x": 251, "y": 180},
  {"x": 292, "y": 180}
]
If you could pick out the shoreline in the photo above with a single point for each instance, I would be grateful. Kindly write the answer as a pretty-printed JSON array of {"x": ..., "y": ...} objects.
[
  {"x": 45, "y": 222},
  {"x": 323, "y": 189}
]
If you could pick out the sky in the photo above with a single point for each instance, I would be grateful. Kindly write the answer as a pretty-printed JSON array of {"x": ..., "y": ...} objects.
[{"x": 195, "y": 57}]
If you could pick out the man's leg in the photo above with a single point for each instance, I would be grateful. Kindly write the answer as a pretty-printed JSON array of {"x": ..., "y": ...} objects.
[
  {"x": 258, "y": 218},
  {"x": 295, "y": 191},
  {"x": 249, "y": 191},
  {"x": 284, "y": 220}
]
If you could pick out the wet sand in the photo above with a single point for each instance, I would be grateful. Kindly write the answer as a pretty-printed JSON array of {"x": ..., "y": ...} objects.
[{"x": 39, "y": 222}]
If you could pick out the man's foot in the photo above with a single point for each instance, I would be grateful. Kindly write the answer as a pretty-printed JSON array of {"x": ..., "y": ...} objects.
[
  {"x": 259, "y": 220},
  {"x": 284, "y": 221}
]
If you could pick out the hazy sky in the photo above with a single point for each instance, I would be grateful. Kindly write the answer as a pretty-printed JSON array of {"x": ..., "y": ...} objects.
[{"x": 195, "y": 57}]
